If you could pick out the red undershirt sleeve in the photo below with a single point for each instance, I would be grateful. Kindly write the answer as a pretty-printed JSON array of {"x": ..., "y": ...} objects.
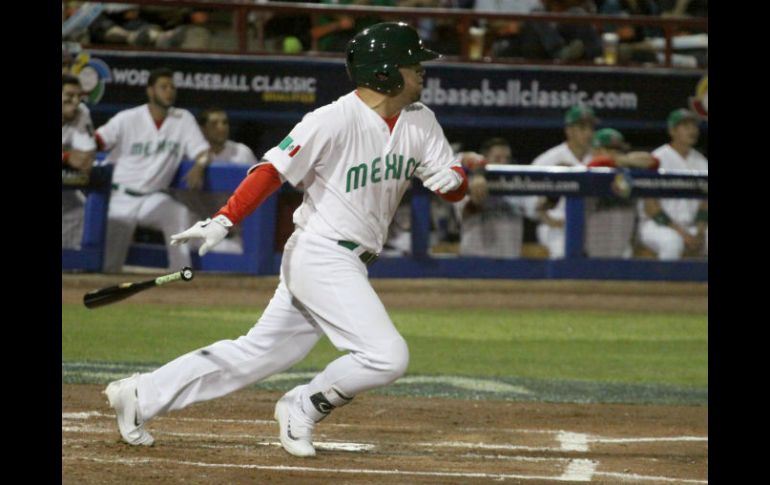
[
  {"x": 457, "y": 194},
  {"x": 253, "y": 190}
]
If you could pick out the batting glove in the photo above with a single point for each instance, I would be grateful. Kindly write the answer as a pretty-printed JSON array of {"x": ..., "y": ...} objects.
[
  {"x": 212, "y": 231},
  {"x": 440, "y": 180}
]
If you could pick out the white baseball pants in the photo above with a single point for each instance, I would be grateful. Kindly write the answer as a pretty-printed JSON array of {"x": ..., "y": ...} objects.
[
  {"x": 666, "y": 242},
  {"x": 323, "y": 289},
  {"x": 157, "y": 211}
]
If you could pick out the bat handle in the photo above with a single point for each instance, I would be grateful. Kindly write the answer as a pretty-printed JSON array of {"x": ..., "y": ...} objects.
[{"x": 186, "y": 274}]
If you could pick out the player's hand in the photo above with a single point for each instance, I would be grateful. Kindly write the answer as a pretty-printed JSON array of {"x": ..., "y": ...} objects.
[
  {"x": 195, "y": 176},
  {"x": 212, "y": 231},
  {"x": 440, "y": 180}
]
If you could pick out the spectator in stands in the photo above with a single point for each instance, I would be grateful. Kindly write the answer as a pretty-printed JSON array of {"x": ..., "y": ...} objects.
[
  {"x": 150, "y": 26},
  {"x": 542, "y": 40},
  {"x": 334, "y": 32},
  {"x": 146, "y": 144},
  {"x": 610, "y": 221},
  {"x": 78, "y": 151},
  {"x": 674, "y": 228},
  {"x": 574, "y": 152},
  {"x": 491, "y": 225},
  {"x": 633, "y": 46},
  {"x": 215, "y": 126}
]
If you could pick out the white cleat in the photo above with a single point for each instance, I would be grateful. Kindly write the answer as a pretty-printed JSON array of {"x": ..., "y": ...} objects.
[
  {"x": 123, "y": 399},
  {"x": 296, "y": 433}
]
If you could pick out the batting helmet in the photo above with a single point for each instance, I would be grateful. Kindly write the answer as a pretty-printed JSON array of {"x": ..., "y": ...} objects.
[{"x": 375, "y": 54}]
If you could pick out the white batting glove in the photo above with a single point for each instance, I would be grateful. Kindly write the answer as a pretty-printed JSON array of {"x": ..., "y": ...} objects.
[
  {"x": 440, "y": 180},
  {"x": 212, "y": 231}
]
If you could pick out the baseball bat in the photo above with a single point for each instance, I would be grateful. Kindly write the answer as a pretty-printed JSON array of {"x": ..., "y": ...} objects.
[{"x": 111, "y": 294}]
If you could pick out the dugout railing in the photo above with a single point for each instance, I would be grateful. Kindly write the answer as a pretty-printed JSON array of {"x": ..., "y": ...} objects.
[
  {"x": 250, "y": 38},
  {"x": 260, "y": 257}
]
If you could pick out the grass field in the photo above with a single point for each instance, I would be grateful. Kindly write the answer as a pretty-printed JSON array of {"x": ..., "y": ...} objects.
[{"x": 669, "y": 349}]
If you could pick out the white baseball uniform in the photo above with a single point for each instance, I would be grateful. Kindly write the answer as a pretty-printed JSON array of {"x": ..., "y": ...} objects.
[
  {"x": 548, "y": 236},
  {"x": 354, "y": 172},
  {"x": 234, "y": 152},
  {"x": 666, "y": 242},
  {"x": 146, "y": 158},
  {"x": 78, "y": 134}
]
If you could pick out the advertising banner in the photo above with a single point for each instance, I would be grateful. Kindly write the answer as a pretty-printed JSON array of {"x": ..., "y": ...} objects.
[{"x": 283, "y": 89}]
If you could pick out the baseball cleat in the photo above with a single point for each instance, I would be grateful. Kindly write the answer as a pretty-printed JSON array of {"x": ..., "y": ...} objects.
[
  {"x": 122, "y": 397},
  {"x": 296, "y": 433}
]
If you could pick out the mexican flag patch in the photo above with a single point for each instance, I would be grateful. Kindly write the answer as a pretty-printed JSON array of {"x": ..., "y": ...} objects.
[{"x": 288, "y": 144}]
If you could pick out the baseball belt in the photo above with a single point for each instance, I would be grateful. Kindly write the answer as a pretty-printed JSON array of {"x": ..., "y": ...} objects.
[{"x": 365, "y": 256}]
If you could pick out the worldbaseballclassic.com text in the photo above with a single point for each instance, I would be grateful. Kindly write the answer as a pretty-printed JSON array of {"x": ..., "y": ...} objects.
[{"x": 514, "y": 95}]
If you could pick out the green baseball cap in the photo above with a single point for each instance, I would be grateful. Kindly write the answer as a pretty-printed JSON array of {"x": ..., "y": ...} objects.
[
  {"x": 580, "y": 113},
  {"x": 679, "y": 115},
  {"x": 609, "y": 138}
]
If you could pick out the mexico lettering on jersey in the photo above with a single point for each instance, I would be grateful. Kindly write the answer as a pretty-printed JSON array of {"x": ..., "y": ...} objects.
[
  {"x": 147, "y": 157},
  {"x": 354, "y": 170},
  {"x": 682, "y": 211}
]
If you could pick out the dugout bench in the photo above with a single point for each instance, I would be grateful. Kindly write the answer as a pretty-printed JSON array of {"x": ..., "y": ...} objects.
[{"x": 260, "y": 257}]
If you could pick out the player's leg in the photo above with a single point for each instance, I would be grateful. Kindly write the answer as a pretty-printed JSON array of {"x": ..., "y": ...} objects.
[
  {"x": 281, "y": 338},
  {"x": 552, "y": 238},
  {"x": 666, "y": 242},
  {"x": 332, "y": 284},
  {"x": 121, "y": 223},
  {"x": 160, "y": 211}
]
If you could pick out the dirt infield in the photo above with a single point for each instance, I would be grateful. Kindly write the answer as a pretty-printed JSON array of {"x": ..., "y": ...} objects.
[
  {"x": 387, "y": 440},
  {"x": 380, "y": 439},
  {"x": 425, "y": 293}
]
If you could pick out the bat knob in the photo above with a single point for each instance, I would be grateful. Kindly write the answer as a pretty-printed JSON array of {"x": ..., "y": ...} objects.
[{"x": 187, "y": 273}]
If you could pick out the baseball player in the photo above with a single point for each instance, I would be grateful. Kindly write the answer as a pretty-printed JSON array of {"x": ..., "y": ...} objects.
[
  {"x": 147, "y": 144},
  {"x": 78, "y": 151},
  {"x": 574, "y": 152},
  {"x": 491, "y": 226},
  {"x": 355, "y": 157},
  {"x": 610, "y": 221},
  {"x": 673, "y": 227},
  {"x": 215, "y": 126}
]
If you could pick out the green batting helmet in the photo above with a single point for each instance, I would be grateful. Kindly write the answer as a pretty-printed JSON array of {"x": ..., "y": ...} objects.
[{"x": 375, "y": 54}]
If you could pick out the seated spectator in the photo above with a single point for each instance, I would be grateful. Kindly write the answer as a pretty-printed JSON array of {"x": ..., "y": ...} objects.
[
  {"x": 334, "y": 32},
  {"x": 147, "y": 144},
  {"x": 545, "y": 40},
  {"x": 610, "y": 221},
  {"x": 674, "y": 228},
  {"x": 135, "y": 26},
  {"x": 632, "y": 38},
  {"x": 78, "y": 150},
  {"x": 490, "y": 225}
]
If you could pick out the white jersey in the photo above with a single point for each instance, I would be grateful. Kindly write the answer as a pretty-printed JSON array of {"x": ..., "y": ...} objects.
[
  {"x": 560, "y": 155},
  {"x": 234, "y": 152},
  {"x": 78, "y": 134},
  {"x": 355, "y": 171},
  {"x": 682, "y": 211},
  {"x": 147, "y": 157}
]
